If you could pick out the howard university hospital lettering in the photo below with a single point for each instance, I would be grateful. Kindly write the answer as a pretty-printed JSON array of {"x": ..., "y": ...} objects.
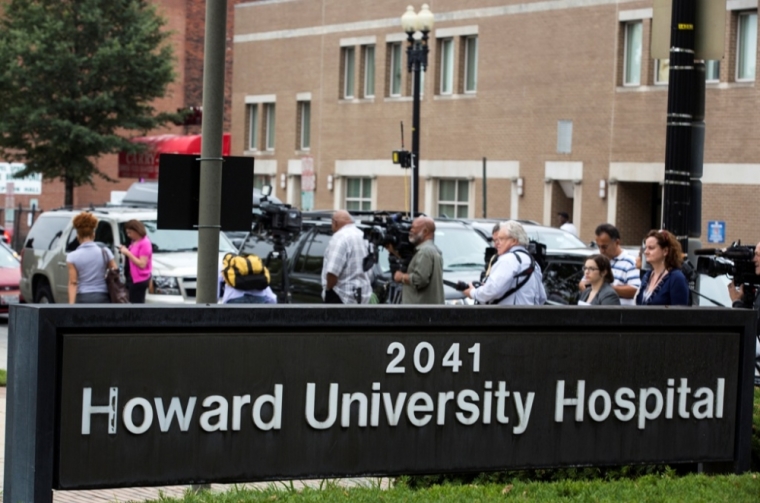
[{"x": 328, "y": 406}]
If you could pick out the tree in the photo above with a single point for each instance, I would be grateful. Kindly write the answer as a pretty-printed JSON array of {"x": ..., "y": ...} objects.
[{"x": 76, "y": 76}]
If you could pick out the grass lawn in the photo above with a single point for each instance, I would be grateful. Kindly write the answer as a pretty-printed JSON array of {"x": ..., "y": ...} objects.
[{"x": 654, "y": 488}]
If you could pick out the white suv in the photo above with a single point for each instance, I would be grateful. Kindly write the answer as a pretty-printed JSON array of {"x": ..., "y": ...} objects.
[{"x": 44, "y": 273}]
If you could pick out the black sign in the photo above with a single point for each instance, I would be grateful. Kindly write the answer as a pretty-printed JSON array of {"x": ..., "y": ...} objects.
[{"x": 191, "y": 395}]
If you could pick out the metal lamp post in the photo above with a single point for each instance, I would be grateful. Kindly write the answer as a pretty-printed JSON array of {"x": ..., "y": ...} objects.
[{"x": 417, "y": 56}]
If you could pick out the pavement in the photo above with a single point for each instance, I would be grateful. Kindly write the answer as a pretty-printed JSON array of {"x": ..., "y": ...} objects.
[{"x": 135, "y": 494}]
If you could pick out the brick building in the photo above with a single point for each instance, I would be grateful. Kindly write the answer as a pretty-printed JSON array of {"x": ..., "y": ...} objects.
[{"x": 560, "y": 97}]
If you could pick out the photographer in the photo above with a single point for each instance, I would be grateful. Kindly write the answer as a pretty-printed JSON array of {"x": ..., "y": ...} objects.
[
  {"x": 515, "y": 279},
  {"x": 423, "y": 281},
  {"x": 737, "y": 293},
  {"x": 343, "y": 277}
]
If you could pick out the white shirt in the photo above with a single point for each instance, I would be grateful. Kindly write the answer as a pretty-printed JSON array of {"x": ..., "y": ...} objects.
[
  {"x": 502, "y": 279},
  {"x": 344, "y": 258},
  {"x": 569, "y": 227}
]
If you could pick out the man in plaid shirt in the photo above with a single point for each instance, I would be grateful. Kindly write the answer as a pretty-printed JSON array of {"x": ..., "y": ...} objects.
[{"x": 344, "y": 280}]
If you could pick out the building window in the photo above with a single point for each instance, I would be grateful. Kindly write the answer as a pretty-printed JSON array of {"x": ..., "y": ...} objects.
[
  {"x": 394, "y": 67},
  {"x": 564, "y": 137},
  {"x": 746, "y": 46},
  {"x": 253, "y": 127},
  {"x": 453, "y": 198},
  {"x": 369, "y": 71},
  {"x": 304, "y": 125},
  {"x": 471, "y": 64},
  {"x": 661, "y": 71},
  {"x": 269, "y": 133},
  {"x": 632, "y": 54},
  {"x": 447, "y": 65},
  {"x": 348, "y": 72},
  {"x": 712, "y": 70},
  {"x": 358, "y": 194},
  {"x": 260, "y": 180}
]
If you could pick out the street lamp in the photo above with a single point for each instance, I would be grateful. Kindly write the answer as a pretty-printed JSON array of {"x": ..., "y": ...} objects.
[{"x": 417, "y": 54}]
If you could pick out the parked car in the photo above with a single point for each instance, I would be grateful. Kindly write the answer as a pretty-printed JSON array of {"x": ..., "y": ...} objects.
[
  {"x": 462, "y": 247},
  {"x": 10, "y": 275},
  {"x": 145, "y": 195},
  {"x": 44, "y": 272}
]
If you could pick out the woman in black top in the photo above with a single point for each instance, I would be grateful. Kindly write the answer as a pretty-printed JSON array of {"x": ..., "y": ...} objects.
[{"x": 598, "y": 273}]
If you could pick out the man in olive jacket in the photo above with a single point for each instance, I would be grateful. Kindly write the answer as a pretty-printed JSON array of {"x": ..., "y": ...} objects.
[{"x": 423, "y": 281}]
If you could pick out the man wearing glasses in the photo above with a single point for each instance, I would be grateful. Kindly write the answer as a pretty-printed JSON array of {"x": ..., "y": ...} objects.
[
  {"x": 515, "y": 279},
  {"x": 627, "y": 277},
  {"x": 343, "y": 277},
  {"x": 737, "y": 293}
]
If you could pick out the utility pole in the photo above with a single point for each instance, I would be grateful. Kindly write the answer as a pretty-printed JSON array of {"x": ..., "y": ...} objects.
[
  {"x": 209, "y": 205},
  {"x": 679, "y": 121}
]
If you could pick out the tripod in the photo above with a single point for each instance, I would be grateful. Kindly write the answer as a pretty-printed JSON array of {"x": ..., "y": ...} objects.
[{"x": 279, "y": 242}]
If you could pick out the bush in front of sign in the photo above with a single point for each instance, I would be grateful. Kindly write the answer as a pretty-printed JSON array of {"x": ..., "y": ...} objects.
[{"x": 756, "y": 432}]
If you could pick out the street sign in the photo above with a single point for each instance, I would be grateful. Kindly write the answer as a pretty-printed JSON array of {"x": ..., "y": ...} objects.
[
  {"x": 709, "y": 29},
  {"x": 716, "y": 231},
  {"x": 344, "y": 391}
]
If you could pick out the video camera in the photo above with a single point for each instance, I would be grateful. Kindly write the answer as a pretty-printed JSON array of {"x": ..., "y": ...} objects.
[
  {"x": 279, "y": 220},
  {"x": 736, "y": 261},
  {"x": 391, "y": 230}
]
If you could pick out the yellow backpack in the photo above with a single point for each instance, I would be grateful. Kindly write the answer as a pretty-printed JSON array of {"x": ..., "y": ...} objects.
[{"x": 245, "y": 272}]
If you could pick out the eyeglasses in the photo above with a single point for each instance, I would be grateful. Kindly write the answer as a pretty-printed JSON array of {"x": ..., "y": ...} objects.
[
  {"x": 501, "y": 240},
  {"x": 590, "y": 269}
]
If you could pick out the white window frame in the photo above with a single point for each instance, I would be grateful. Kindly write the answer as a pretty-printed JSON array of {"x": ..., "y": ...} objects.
[
  {"x": 253, "y": 126},
  {"x": 716, "y": 63},
  {"x": 349, "y": 72},
  {"x": 267, "y": 179},
  {"x": 467, "y": 42},
  {"x": 360, "y": 200},
  {"x": 658, "y": 80},
  {"x": 369, "y": 80},
  {"x": 271, "y": 124},
  {"x": 396, "y": 65},
  {"x": 305, "y": 125},
  {"x": 447, "y": 66},
  {"x": 741, "y": 48},
  {"x": 626, "y": 53},
  {"x": 456, "y": 203}
]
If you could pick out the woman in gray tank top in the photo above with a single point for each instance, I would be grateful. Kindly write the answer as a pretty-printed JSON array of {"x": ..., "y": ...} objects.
[{"x": 87, "y": 264}]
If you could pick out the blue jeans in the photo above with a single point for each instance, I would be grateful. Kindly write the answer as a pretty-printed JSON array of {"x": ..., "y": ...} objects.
[{"x": 248, "y": 299}]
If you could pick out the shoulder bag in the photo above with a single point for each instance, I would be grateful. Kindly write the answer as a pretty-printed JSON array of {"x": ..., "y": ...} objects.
[{"x": 116, "y": 288}]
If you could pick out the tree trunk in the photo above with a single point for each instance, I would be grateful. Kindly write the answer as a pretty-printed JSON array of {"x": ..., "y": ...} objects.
[{"x": 69, "y": 194}]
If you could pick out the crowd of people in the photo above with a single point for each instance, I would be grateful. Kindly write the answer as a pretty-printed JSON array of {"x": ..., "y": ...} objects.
[{"x": 513, "y": 277}]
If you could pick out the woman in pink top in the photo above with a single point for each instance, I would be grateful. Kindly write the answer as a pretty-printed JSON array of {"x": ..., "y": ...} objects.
[{"x": 140, "y": 255}]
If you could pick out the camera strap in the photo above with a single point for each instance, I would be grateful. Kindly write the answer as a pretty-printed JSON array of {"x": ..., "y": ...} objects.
[{"x": 525, "y": 275}]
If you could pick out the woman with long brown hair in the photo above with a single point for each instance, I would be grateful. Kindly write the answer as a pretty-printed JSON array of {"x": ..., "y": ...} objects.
[
  {"x": 665, "y": 284},
  {"x": 87, "y": 264}
]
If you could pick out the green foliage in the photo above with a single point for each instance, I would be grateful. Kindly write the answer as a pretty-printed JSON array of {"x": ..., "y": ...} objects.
[
  {"x": 75, "y": 75},
  {"x": 3, "y": 377},
  {"x": 649, "y": 488}
]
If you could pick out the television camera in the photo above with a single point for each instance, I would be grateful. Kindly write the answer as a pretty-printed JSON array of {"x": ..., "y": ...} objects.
[
  {"x": 736, "y": 262},
  {"x": 392, "y": 232},
  {"x": 281, "y": 224}
]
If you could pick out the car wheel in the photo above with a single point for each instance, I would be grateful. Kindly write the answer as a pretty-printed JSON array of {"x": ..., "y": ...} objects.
[{"x": 43, "y": 295}]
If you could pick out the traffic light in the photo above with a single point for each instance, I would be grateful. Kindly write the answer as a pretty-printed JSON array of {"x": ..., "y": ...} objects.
[{"x": 403, "y": 158}]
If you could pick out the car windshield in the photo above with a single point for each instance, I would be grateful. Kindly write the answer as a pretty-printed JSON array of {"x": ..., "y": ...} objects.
[
  {"x": 168, "y": 241},
  {"x": 556, "y": 240},
  {"x": 713, "y": 289},
  {"x": 7, "y": 259},
  {"x": 462, "y": 249}
]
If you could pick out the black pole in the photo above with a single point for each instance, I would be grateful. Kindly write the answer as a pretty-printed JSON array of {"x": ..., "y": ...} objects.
[
  {"x": 485, "y": 191},
  {"x": 417, "y": 52},
  {"x": 680, "y": 116}
]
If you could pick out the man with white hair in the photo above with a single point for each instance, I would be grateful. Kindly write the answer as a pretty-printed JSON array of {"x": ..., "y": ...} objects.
[{"x": 515, "y": 278}]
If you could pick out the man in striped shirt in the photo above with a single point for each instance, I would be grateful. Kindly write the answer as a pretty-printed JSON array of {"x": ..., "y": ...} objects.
[{"x": 627, "y": 278}]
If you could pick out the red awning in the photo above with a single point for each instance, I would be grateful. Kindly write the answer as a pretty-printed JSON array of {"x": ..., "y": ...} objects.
[{"x": 145, "y": 164}]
